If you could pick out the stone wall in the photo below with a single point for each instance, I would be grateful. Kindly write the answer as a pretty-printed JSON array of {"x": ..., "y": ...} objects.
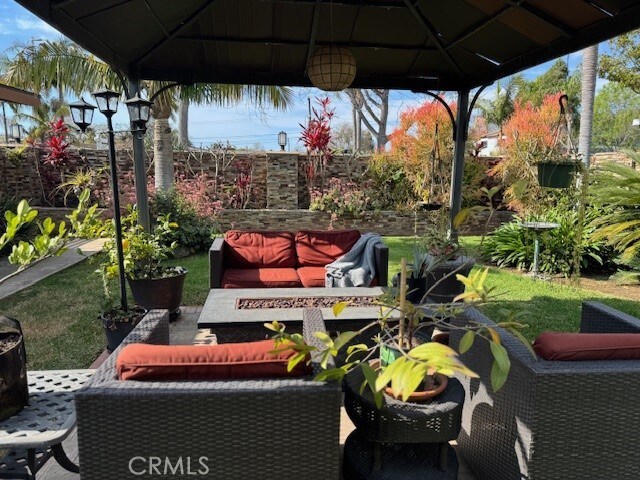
[{"x": 384, "y": 222}]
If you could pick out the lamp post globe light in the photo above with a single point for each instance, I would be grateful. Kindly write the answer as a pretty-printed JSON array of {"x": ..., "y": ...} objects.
[
  {"x": 16, "y": 132},
  {"x": 282, "y": 140},
  {"x": 82, "y": 115}
]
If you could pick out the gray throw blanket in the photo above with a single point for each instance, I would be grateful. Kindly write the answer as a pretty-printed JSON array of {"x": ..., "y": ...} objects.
[{"x": 357, "y": 267}]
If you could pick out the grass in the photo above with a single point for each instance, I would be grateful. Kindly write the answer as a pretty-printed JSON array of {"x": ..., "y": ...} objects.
[{"x": 59, "y": 314}]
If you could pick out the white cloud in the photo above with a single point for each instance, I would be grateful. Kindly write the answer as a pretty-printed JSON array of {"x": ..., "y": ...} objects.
[{"x": 35, "y": 25}]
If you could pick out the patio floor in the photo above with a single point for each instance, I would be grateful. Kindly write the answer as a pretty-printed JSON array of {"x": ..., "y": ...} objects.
[{"x": 184, "y": 331}]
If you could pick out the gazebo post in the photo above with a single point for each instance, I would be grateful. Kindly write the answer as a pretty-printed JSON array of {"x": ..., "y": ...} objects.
[
  {"x": 139, "y": 169},
  {"x": 457, "y": 172}
]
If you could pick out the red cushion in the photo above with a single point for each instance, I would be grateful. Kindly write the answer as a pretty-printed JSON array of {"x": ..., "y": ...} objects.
[
  {"x": 209, "y": 362},
  {"x": 258, "y": 249},
  {"x": 260, "y": 278},
  {"x": 312, "y": 276},
  {"x": 320, "y": 248},
  {"x": 588, "y": 346}
]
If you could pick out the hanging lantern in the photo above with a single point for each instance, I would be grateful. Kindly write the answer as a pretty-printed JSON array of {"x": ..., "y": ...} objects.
[{"x": 331, "y": 68}]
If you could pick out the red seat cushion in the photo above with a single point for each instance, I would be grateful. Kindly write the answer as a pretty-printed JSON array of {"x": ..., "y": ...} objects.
[
  {"x": 210, "y": 362},
  {"x": 259, "y": 249},
  {"x": 260, "y": 278},
  {"x": 588, "y": 346},
  {"x": 320, "y": 248},
  {"x": 312, "y": 276}
]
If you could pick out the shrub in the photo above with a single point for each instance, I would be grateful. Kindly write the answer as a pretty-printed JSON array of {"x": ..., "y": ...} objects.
[
  {"x": 195, "y": 231},
  {"x": 340, "y": 198},
  {"x": 512, "y": 245}
]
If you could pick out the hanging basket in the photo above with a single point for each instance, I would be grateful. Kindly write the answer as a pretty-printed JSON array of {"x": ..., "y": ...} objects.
[{"x": 555, "y": 175}]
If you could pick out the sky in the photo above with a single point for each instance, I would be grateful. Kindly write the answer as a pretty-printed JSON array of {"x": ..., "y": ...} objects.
[{"x": 241, "y": 125}]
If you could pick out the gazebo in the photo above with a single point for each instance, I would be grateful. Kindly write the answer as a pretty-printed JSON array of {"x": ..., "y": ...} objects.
[{"x": 417, "y": 45}]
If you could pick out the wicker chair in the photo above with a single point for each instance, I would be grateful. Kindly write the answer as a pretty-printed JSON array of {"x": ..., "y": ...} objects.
[
  {"x": 271, "y": 429},
  {"x": 553, "y": 420}
]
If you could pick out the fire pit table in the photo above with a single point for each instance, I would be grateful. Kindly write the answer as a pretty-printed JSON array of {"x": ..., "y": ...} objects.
[
  {"x": 238, "y": 315},
  {"x": 37, "y": 432}
]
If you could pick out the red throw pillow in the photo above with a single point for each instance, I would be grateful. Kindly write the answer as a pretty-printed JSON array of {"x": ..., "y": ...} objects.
[
  {"x": 210, "y": 362},
  {"x": 588, "y": 346},
  {"x": 320, "y": 248},
  {"x": 259, "y": 249}
]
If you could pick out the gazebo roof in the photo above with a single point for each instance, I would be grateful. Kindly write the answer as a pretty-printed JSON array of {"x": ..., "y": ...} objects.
[
  {"x": 401, "y": 44},
  {"x": 15, "y": 95}
]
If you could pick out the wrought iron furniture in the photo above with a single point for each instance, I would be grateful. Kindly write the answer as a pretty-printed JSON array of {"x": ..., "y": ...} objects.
[
  {"x": 552, "y": 419},
  {"x": 272, "y": 429},
  {"x": 37, "y": 432}
]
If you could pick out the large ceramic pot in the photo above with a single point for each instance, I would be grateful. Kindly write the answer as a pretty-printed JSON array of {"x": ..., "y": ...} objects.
[
  {"x": 442, "y": 284},
  {"x": 14, "y": 387},
  {"x": 555, "y": 175},
  {"x": 159, "y": 293}
]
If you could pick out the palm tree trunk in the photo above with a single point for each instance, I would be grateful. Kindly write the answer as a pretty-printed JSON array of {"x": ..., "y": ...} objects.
[
  {"x": 162, "y": 153},
  {"x": 589, "y": 71},
  {"x": 183, "y": 124}
]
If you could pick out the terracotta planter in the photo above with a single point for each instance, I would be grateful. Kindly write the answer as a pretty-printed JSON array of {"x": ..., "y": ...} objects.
[
  {"x": 555, "y": 175},
  {"x": 159, "y": 293},
  {"x": 441, "y": 382}
]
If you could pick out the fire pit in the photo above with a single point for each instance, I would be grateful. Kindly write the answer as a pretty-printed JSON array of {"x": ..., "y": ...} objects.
[
  {"x": 14, "y": 391},
  {"x": 304, "y": 302}
]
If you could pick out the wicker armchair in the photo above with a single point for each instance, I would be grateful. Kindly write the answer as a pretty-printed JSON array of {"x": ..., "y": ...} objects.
[
  {"x": 272, "y": 429},
  {"x": 553, "y": 420}
]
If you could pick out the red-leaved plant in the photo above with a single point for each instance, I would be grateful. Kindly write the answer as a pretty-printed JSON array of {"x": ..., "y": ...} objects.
[
  {"x": 316, "y": 137},
  {"x": 56, "y": 144}
]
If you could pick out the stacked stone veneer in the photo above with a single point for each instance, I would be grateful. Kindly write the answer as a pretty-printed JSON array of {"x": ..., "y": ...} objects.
[
  {"x": 384, "y": 222},
  {"x": 279, "y": 185}
]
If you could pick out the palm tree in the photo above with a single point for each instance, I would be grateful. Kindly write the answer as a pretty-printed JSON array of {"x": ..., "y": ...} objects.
[
  {"x": 618, "y": 187},
  {"x": 588, "y": 81},
  {"x": 498, "y": 110},
  {"x": 61, "y": 64}
]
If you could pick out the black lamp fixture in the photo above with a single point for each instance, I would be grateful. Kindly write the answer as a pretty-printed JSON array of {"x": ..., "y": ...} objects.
[
  {"x": 16, "y": 132},
  {"x": 82, "y": 114},
  {"x": 139, "y": 113},
  {"x": 282, "y": 140}
]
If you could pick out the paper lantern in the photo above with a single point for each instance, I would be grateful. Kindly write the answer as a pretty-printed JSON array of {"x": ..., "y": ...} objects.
[{"x": 331, "y": 68}]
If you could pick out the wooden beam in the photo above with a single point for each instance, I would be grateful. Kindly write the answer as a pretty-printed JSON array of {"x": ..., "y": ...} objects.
[{"x": 314, "y": 32}]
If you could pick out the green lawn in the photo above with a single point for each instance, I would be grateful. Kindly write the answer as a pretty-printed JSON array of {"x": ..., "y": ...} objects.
[{"x": 59, "y": 314}]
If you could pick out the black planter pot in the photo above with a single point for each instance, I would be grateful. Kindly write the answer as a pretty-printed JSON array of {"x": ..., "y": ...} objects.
[
  {"x": 163, "y": 293},
  {"x": 14, "y": 389},
  {"x": 555, "y": 175},
  {"x": 416, "y": 288},
  {"x": 444, "y": 290},
  {"x": 115, "y": 332}
]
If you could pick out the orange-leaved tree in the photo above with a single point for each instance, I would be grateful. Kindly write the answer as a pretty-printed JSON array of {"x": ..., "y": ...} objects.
[
  {"x": 529, "y": 138},
  {"x": 423, "y": 143}
]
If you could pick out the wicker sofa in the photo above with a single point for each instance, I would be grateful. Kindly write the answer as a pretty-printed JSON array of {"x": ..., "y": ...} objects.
[
  {"x": 553, "y": 420},
  {"x": 272, "y": 429},
  {"x": 277, "y": 259}
]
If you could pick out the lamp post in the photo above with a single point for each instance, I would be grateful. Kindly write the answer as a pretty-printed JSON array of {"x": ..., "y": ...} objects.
[
  {"x": 82, "y": 114},
  {"x": 282, "y": 140},
  {"x": 16, "y": 132}
]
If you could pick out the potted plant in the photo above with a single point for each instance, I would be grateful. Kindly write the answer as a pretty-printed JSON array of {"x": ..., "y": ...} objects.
[
  {"x": 557, "y": 171},
  {"x": 398, "y": 364},
  {"x": 153, "y": 285},
  {"x": 443, "y": 261}
]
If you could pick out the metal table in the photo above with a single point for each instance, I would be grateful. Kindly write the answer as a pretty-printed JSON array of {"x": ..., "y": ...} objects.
[
  {"x": 538, "y": 227},
  {"x": 37, "y": 432}
]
